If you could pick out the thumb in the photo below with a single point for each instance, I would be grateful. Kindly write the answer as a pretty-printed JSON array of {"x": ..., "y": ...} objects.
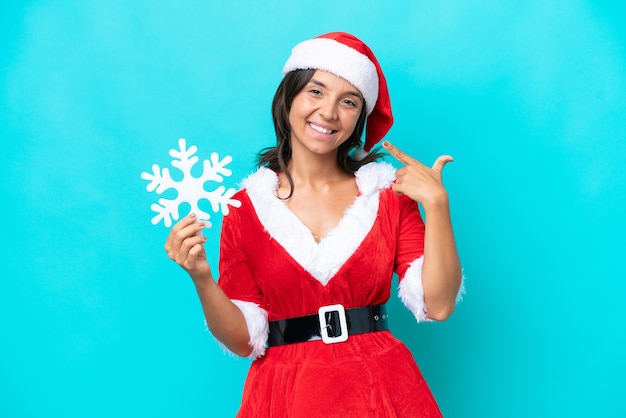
[{"x": 441, "y": 162}]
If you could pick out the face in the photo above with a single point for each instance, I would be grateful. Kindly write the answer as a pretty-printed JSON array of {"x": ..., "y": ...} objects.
[{"x": 324, "y": 114}]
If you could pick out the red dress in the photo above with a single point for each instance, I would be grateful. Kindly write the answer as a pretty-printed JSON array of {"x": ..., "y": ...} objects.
[{"x": 272, "y": 268}]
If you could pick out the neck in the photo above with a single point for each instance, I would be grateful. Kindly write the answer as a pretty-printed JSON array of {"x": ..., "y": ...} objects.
[{"x": 314, "y": 170}]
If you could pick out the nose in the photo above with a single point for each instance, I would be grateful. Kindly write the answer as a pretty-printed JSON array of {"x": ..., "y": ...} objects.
[{"x": 328, "y": 109}]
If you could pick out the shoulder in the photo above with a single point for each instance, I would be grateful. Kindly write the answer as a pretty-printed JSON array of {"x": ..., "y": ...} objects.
[
  {"x": 256, "y": 192},
  {"x": 261, "y": 182},
  {"x": 375, "y": 177}
]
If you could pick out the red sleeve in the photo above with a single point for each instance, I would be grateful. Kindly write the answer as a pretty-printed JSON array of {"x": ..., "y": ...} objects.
[
  {"x": 236, "y": 278},
  {"x": 410, "y": 238}
]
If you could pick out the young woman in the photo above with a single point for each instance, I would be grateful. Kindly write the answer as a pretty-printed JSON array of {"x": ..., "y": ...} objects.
[{"x": 306, "y": 262}]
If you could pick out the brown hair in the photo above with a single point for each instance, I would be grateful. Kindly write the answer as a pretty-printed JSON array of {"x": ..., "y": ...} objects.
[{"x": 276, "y": 158}]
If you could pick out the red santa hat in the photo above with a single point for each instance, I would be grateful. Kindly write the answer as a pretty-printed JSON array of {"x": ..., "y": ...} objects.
[{"x": 349, "y": 58}]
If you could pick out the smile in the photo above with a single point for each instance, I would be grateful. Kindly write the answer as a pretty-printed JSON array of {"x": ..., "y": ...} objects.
[{"x": 320, "y": 129}]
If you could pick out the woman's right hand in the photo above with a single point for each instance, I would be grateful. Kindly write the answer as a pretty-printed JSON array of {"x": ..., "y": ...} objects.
[{"x": 185, "y": 245}]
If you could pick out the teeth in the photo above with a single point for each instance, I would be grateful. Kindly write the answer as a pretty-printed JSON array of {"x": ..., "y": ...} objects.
[{"x": 320, "y": 129}]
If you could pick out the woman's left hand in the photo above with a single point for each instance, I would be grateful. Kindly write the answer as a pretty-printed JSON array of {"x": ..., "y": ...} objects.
[{"x": 417, "y": 181}]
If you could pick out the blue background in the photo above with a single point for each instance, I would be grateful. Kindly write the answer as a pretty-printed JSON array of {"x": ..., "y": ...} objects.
[{"x": 528, "y": 96}]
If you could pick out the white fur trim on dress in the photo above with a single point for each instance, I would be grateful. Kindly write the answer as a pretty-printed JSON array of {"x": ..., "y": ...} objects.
[
  {"x": 258, "y": 328},
  {"x": 339, "y": 59},
  {"x": 324, "y": 259},
  {"x": 411, "y": 290},
  {"x": 461, "y": 292}
]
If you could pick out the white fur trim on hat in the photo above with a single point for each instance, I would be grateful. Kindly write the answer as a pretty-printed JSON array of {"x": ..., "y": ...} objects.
[{"x": 339, "y": 59}]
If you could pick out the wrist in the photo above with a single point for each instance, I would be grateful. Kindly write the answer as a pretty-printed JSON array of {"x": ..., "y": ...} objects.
[
  {"x": 203, "y": 281},
  {"x": 436, "y": 203}
]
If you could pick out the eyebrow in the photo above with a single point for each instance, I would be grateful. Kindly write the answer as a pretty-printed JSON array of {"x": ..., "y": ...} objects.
[{"x": 350, "y": 92}]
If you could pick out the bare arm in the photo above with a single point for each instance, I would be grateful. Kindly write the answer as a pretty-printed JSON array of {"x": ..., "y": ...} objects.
[
  {"x": 185, "y": 246},
  {"x": 441, "y": 271}
]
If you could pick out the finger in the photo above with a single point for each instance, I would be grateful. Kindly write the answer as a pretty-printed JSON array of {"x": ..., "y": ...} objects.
[
  {"x": 196, "y": 261},
  {"x": 181, "y": 255},
  {"x": 188, "y": 231},
  {"x": 190, "y": 250},
  {"x": 195, "y": 252},
  {"x": 441, "y": 162},
  {"x": 397, "y": 188},
  {"x": 191, "y": 242},
  {"x": 186, "y": 221},
  {"x": 177, "y": 238},
  {"x": 398, "y": 154}
]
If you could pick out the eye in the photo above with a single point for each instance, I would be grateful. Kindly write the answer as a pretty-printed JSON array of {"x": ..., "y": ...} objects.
[
  {"x": 355, "y": 104},
  {"x": 315, "y": 91}
]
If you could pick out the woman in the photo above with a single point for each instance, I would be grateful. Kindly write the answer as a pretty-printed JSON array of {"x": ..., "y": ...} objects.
[{"x": 310, "y": 253}]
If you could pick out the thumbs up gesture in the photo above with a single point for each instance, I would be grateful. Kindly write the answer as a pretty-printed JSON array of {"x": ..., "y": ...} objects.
[{"x": 421, "y": 183}]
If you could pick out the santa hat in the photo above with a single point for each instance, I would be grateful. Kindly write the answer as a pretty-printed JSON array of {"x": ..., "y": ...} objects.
[{"x": 349, "y": 58}]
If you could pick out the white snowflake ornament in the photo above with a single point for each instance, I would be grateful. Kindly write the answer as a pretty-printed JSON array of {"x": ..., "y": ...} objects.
[{"x": 190, "y": 189}]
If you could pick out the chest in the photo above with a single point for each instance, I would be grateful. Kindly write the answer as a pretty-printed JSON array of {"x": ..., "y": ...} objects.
[{"x": 322, "y": 210}]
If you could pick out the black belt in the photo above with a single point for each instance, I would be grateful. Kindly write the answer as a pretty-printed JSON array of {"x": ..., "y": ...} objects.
[{"x": 337, "y": 322}]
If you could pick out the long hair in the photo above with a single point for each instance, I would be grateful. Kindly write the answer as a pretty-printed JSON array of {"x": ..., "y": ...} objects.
[{"x": 276, "y": 158}]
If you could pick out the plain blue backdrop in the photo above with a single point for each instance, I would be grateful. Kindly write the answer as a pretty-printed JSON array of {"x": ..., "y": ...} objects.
[{"x": 528, "y": 96}]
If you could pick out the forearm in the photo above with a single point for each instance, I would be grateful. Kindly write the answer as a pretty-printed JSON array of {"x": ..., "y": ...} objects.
[
  {"x": 441, "y": 271},
  {"x": 225, "y": 321}
]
